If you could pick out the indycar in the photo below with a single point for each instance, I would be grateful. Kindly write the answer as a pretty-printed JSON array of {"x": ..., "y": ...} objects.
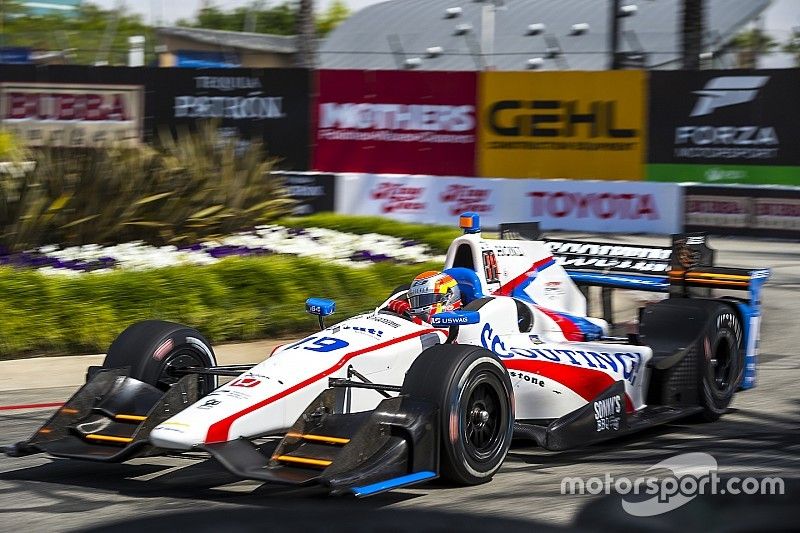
[{"x": 379, "y": 401}]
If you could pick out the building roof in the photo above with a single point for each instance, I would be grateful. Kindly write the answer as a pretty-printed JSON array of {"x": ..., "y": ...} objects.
[
  {"x": 383, "y": 36},
  {"x": 256, "y": 42}
]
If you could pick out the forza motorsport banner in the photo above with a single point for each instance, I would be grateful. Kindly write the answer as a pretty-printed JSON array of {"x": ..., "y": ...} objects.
[
  {"x": 269, "y": 104},
  {"x": 72, "y": 114},
  {"x": 423, "y": 199},
  {"x": 725, "y": 126},
  {"x": 395, "y": 122},
  {"x": 580, "y": 125}
]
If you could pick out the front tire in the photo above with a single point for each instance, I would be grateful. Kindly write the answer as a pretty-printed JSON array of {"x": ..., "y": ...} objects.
[
  {"x": 475, "y": 399},
  {"x": 153, "y": 349}
]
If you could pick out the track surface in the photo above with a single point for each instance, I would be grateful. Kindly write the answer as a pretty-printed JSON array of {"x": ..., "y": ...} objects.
[{"x": 759, "y": 437}]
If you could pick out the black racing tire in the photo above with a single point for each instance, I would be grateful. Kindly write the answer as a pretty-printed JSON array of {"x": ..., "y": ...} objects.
[
  {"x": 150, "y": 349},
  {"x": 721, "y": 362},
  {"x": 473, "y": 391}
]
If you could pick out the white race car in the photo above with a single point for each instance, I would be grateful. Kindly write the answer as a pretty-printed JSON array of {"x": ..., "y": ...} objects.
[{"x": 379, "y": 401}]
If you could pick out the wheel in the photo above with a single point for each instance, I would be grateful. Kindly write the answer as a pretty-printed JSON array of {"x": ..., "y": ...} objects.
[
  {"x": 475, "y": 399},
  {"x": 154, "y": 348},
  {"x": 722, "y": 362}
]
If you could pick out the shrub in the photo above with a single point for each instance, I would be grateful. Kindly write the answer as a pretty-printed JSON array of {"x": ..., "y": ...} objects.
[{"x": 235, "y": 299}]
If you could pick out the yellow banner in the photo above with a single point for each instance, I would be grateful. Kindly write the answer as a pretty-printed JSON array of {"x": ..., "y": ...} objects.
[{"x": 562, "y": 125}]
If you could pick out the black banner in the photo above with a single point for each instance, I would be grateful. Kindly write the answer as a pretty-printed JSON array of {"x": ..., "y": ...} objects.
[
  {"x": 730, "y": 117},
  {"x": 272, "y": 104},
  {"x": 134, "y": 103},
  {"x": 742, "y": 210},
  {"x": 313, "y": 191}
]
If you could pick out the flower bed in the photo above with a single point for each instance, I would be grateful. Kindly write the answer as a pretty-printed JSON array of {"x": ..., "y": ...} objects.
[{"x": 340, "y": 248}]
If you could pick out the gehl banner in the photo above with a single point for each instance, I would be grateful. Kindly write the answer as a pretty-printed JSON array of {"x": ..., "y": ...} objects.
[{"x": 562, "y": 125}]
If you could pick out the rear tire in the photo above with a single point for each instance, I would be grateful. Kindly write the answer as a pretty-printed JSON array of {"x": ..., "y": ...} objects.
[
  {"x": 475, "y": 398},
  {"x": 153, "y": 348},
  {"x": 722, "y": 363}
]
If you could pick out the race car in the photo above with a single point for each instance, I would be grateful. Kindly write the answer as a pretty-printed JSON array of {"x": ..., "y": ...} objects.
[{"x": 380, "y": 401}]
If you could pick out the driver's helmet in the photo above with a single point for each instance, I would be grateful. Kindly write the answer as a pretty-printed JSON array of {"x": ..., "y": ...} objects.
[{"x": 433, "y": 292}]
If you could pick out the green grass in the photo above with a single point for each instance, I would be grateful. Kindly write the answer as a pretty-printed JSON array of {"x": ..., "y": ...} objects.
[
  {"x": 235, "y": 299},
  {"x": 437, "y": 237}
]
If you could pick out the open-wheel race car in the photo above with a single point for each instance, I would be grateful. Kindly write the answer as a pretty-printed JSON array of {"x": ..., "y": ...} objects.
[{"x": 380, "y": 401}]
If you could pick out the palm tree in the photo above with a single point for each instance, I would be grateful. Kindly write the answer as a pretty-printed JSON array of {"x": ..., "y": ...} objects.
[
  {"x": 306, "y": 34},
  {"x": 693, "y": 23},
  {"x": 793, "y": 46},
  {"x": 751, "y": 44}
]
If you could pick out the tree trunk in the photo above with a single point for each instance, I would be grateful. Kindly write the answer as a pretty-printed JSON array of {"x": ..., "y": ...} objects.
[
  {"x": 692, "y": 33},
  {"x": 305, "y": 34}
]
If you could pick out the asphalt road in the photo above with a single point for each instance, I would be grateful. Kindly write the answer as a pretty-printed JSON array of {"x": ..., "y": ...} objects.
[{"x": 758, "y": 437}]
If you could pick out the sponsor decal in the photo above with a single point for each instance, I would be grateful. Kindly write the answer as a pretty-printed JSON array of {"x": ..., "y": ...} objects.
[
  {"x": 235, "y": 107},
  {"x": 462, "y": 198},
  {"x": 209, "y": 403},
  {"x": 245, "y": 381},
  {"x": 535, "y": 339},
  {"x": 450, "y": 320},
  {"x": 608, "y": 413},
  {"x": 628, "y": 364},
  {"x": 526, "y": 377},
  {"x": 560, "y": 204},
  {"x": 553, "y": 290},
  {"x": 384, "y": 320},
  {"x": 163, "y": 350},
  {"x": 396, "y": 122},
  {"x": 67, "y": 114},
  {"x": 610, "y": 257},
  {"x": 562, "y": 124},
  {"x": 727, "y": 90},
  {"x": 392, "y": 122},
  {"x": 372, "y": 332},
  {"x": 398, "y": 198}
]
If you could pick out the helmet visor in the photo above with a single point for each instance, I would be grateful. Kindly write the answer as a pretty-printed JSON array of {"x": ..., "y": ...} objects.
[{"x": 423, "y": 301}]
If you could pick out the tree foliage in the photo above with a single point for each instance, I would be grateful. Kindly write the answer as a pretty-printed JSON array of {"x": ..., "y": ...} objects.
[{"x": 84, "y": 36}]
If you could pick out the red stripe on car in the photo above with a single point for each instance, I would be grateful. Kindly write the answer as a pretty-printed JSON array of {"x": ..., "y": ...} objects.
[
  {"x": 586, "y": 382},
  {"x": 506, "y": 289},
  {"x": 218, "y": 432}
]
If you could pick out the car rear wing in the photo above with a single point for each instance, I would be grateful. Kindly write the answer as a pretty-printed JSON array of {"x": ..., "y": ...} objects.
[{"x": 684, "y": 270}]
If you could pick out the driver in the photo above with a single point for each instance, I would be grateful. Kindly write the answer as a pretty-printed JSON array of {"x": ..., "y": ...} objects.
[{"x": 430, "y": 293}]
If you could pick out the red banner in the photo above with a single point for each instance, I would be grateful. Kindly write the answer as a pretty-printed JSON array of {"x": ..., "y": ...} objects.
[{"x": 396, "y": 122}]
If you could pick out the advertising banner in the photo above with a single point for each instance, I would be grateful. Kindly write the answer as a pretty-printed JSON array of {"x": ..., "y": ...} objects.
[
  {"x": 596, "y": 206},
  {"x": 729, "y": 126},
  {"x": 599, "y": 206},
  {"x": 268, "y": 104},
  {"x": 423, "y": 199},
  {"x": 579, "y": 125},
  {"x": 760, "y": 211},
  {"x": 72, "y": 114},
  {"x": 314, "y": 192},
  {"x": 395, "y": 122}
]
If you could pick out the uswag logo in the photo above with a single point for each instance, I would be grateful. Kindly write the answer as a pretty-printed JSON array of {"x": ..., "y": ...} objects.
[
  {"x": 461, "y": 198},
  {"x": 397, "y": 198}
]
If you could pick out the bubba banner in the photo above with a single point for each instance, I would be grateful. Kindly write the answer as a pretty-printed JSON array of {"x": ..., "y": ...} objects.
[
  {"x": 725, "y": 126},
  {"x": 72, "y": 114},
  {"x": 562, "y": 124},
  {"x": 396, "y": 122}
]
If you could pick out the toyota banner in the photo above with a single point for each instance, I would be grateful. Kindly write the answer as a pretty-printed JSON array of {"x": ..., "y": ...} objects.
[{"x": 725, "y": 126}]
